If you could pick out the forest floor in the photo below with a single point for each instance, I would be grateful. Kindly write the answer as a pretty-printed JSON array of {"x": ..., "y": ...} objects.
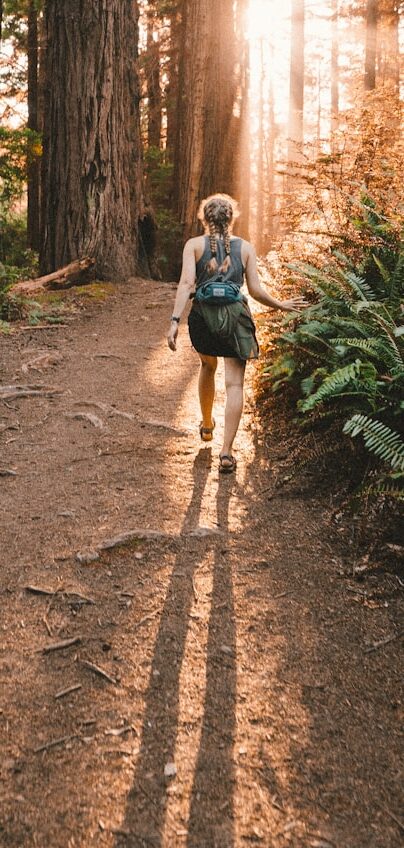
[{"x": 253, "y": 691}]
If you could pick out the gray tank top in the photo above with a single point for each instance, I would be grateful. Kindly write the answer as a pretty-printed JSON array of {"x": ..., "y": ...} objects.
[{"x": 235, "y": 274}]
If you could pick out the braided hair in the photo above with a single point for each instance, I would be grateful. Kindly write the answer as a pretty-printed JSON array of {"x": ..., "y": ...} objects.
[{"x": 217, "y": 213}]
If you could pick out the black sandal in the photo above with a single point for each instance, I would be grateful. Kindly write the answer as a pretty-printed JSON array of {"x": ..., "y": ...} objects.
[
  {"x": 227, "y": 469},
  {"x": 206, "y": 433}
]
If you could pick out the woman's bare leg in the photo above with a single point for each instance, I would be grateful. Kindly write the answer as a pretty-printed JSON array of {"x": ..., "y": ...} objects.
[
  {"x": 206, "y": 387},
  {"x": 234, "y": 370}
]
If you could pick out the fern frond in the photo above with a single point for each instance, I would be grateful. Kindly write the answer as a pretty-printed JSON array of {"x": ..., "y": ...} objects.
[
  {"x": 358, "y": 285},
  {"x": 397, "y": 281},
  {"x": 336, "y": 382},
  {"x": 379, "y": 439},
  {"x": 372, "y": 347},
  {"x": 386, "y": 486}
]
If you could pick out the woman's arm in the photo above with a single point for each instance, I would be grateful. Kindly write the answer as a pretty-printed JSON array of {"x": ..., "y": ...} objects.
[
  {"x": 258, "y": 292},
  {"x": 186, "y": 286}
]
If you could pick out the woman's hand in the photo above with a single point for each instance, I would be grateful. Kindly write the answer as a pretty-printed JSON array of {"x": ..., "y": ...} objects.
[
  {"x": 295, "y": 304},
  {"x": 172, "y": 335}
]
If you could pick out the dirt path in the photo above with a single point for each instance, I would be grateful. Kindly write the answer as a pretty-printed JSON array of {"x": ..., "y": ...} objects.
[{"x": 237, "y": 648}]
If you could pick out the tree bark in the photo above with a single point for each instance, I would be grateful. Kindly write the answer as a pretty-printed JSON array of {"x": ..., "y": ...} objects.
[
  {"x": 296, "y": 87},
  {"x": 33, "y": 224},
  {"x": 260, "y": 165},
  {"x": 334, "y": 70},
  {"x": 208, "y": 130},
  {"x": 271, "y": 208},
  {"x": 153, "y": 80},
  {"x": 171, "y": 92},
  {"x": 244, "y": 167},
  {"x": 92, "y": 174},
  {"x": 389, "y": 68},
  {"x": 371, "y": 44}
]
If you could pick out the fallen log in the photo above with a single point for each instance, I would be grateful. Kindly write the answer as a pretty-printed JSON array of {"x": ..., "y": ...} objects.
[{"x": 76, "y": 272}]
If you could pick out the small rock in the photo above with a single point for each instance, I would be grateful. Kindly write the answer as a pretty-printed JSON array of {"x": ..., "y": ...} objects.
[
  {"x": 7, "y": 472},
  {"x": 226, "y": 649},
  {"x": 170, "y": 770},
  {"x": 85, "y": 557}
]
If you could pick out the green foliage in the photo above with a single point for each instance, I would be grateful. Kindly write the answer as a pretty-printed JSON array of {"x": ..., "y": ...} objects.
[
  {"x": 345, "y": 353},
  {"x": 159, "y": 175},
  {"x": 17, "y": 149},
  {"x": 17, "y": 262},
  {"x": 379, "y": 439}
]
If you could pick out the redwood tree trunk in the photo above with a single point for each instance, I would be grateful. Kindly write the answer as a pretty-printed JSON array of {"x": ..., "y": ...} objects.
[
  {"x": 334, "y": 68},
  {"x": 33, "y": 124},
  {"x": 296, "y": 86},
  {"x": 208, "y": 131},
  {"x": 92, "y": 160},
  {"x": 371, "y": 43},
  {"x": 260, "y": 225},
  {"x": 153, "y": 80},
  {"x": 171, "y": 91}
]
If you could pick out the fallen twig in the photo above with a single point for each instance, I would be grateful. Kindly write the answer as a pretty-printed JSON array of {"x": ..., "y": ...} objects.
[
  {"x": 58, "y": 646},
  {"x": 54, "y": 742},
  {"x": 47, "y": 625},
  {"x": 38, "y": 590},
  {"x": 118, "y": 731},
  {"x": 147, "y": 618},
  {"x": 20, "y": 391},
  {"x": 392, "y": 815},
  {"x": 377, "y": 645},
  {"x": 67, "y": 691},
  {"x": 282, "y": 594},
  {"x": 101, "y": 673}
]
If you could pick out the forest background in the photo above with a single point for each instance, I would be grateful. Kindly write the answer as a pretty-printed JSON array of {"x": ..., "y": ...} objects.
[{"x": 118, "y": 117}]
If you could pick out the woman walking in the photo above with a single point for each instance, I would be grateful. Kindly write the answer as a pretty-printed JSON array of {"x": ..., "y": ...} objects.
[{"x": 220, "y": 322}]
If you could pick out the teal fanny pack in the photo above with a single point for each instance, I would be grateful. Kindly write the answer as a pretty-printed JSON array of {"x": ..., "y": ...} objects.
[{"x": 218, "y": 293}]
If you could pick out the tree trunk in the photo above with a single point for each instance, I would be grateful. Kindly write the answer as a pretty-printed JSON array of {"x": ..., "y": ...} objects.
[
  {"x": 153, "y": 81},
  {"x": 259, "y": 238},
  {"x": 371, "y": 44},
  {"x": 296, "y": 88},
  {"x": 208, "y": 131},
  {"x": 334, "y": 70},
  {"x": 389, "y": 68},
  {"x": 33, "y": 226},
  {"x": 92, "y": 162},
  {"x": 271, "y": 209},
  {"x": 244, "y": 171},
  {"x": 171, "y": 92}
]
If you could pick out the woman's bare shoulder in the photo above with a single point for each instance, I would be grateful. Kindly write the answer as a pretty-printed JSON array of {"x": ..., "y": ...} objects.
[
  {"x": 247, "y": 251},
  {"x": 195, "y": 246},
  {"x": 195, "y": 242}
]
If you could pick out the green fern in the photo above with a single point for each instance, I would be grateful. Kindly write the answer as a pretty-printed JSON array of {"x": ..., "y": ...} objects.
[
  {"x": 362, "y": 289},
  {"x": 379, "y": 439},
  {"x": 339, "y": 380}
]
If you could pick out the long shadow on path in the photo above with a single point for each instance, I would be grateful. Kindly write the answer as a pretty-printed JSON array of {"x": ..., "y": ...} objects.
[{"x": 211, "y": 813}]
